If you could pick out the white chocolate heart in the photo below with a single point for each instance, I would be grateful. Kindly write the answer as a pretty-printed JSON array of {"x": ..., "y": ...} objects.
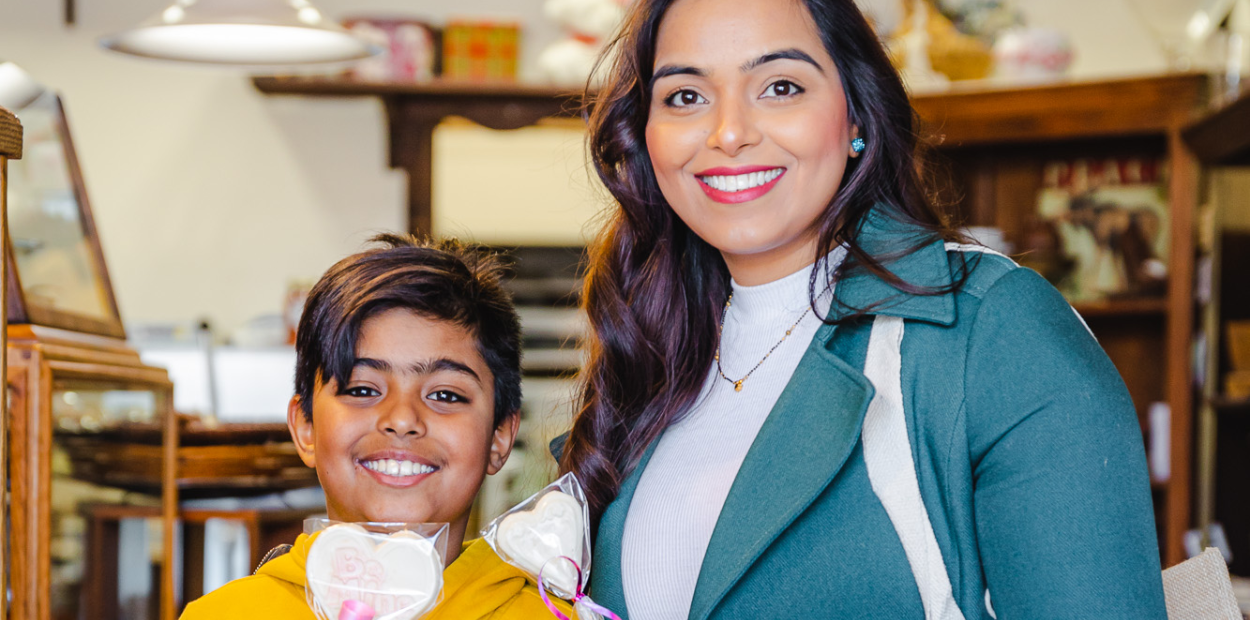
[
  {"x": 400, "y": 578},
  {"x": 552, "y": 528}
]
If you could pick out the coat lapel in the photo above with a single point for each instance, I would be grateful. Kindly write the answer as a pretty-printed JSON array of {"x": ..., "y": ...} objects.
[
  {"x": 606, "y": 583},
  {"x": 927, "y": 266},
  {"x": 807, "y": 438}
]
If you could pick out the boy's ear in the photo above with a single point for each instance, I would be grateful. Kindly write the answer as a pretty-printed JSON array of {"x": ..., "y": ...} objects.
[
  {"x": 501, "y": 442},
  {"x": 301, "y": 432}
]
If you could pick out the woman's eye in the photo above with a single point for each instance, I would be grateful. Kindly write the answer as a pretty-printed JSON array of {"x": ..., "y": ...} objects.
[
  {"x": 782, "y": 88},
  {"x": 361, "y": 391},
  {"x": 447, "y": 396},
  {"x": 684, "y": 98}
]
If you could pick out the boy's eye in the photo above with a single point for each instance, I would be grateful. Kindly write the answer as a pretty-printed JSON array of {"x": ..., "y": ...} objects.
[
  {"x": 781, "y": 89},
  {"x": 360, "y": 391},
  {"x": 447, "y": 396},
  {"x": 683, "y": 98}
]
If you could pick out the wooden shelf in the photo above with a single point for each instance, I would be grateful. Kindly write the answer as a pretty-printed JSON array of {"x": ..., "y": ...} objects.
[
  {"x": 1223, "y": 136},
  {"x": 1061, "y": 111},
  {"x": 413, "y": 110},
  {"x": 343, "y": 87},
  {"x": 995, "y": 144},
  {"x": 1237, "y": 406},
  {"x": 986, "y": 114},
  {"x": 1145, "y": 306}
]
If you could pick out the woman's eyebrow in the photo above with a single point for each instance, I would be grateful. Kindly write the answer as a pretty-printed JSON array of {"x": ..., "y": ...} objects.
[
  {"x": 787, "y": 54},
  {"x": 668, "y": 70},
  {"x": 750, "y": 65}
]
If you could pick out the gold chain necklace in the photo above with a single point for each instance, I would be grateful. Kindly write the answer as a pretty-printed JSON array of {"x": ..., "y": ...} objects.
[{"x": 721, "y": 330}]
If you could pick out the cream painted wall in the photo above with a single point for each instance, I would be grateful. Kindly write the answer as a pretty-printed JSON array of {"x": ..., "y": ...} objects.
[
  {"x": 530, "y": 186},
  {"x": 1109, "y": 38},
  {"x": 210, "y": 197}
]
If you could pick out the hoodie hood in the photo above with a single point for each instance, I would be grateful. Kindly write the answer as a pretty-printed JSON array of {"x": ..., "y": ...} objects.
[{"x": 290, "y": 566}]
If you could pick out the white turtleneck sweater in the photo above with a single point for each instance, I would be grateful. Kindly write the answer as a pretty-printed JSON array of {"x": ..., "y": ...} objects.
[{"x": 683, "y": 488}]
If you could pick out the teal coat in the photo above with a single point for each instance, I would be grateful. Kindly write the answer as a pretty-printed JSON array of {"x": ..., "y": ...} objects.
[{"x": 1027, "y": 449}]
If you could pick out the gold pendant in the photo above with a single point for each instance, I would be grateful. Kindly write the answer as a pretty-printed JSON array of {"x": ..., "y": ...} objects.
[{"x": 738, "y": 384}]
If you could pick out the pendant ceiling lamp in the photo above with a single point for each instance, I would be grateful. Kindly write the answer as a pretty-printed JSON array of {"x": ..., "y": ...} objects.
[{"x": 241, "y": 32}]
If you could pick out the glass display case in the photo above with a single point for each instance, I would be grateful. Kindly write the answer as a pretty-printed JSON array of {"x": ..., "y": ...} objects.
[
  {"x": 60, "y": 276},
  {"x": 92, "y": 461}
]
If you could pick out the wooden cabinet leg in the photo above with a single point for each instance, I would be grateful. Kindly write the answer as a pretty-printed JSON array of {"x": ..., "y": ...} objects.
[{"x": 99, "y": 584}]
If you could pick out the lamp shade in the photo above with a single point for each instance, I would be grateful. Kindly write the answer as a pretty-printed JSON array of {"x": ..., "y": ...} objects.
[
  {"x": 241, "y": 32},
  {"x": 17, "y": 88}
]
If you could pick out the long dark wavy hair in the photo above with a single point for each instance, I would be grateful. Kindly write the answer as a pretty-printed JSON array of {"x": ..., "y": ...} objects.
[{"x": 654, "y": 289}]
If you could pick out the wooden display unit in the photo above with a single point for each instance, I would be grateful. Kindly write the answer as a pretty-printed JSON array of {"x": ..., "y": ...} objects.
[
  {"x": 65, "y": 385},
  {"x": 1221, "y": 140},
  {"x": 995, "y": 142}
]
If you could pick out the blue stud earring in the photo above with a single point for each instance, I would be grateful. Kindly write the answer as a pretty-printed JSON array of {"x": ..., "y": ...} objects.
[{"x": 858, "y": 145}]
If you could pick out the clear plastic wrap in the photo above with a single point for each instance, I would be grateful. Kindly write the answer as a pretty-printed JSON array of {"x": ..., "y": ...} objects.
[
  {"x": 548, "y": 537},
  {"x": 374, "y": 571}
]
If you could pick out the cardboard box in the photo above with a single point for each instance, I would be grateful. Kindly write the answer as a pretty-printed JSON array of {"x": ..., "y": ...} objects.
[
  {"x": 1238, "y": 333},
  {"x": 481, "y": 51},
  {"x": 1237, "y": 384}
]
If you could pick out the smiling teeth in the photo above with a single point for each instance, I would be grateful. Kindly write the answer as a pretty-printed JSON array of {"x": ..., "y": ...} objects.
[
  {"x": 392, "y": 467},
  {"x": 740, "y": 182}
]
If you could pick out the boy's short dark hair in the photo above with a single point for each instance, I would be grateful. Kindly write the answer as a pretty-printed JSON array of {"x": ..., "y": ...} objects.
[{"x": 443, "y": 280}]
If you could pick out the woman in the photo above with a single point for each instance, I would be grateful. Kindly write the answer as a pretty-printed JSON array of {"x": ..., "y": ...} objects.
[{"x": 949, "y": 440}]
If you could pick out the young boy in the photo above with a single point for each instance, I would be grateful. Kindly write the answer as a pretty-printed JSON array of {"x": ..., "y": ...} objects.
[{"x": 407, "y": 394}]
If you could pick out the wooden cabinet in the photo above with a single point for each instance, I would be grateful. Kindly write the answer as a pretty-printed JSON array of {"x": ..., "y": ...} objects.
[
  {"x": 98, "y": 456},
  {"x": 67, "y": 387},
  {"x": 1221, "y": 140},
  {"x": 995, "y": 144}
]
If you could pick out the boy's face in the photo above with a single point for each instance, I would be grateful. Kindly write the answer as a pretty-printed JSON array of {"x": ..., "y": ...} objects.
[{"x": 411, "y": 436}]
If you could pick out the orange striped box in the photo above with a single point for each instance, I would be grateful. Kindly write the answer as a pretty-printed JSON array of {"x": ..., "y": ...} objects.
[{"x": 481, "y": 51}]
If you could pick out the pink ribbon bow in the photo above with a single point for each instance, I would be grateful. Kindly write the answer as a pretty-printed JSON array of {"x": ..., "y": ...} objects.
[{"x": 578, "y": 596}]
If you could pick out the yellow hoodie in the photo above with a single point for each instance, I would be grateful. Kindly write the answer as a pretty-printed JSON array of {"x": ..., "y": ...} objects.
[{"x": 477, "y": 585}]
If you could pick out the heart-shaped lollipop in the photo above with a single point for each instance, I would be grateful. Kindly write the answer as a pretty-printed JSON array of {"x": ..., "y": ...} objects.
[
  {"x": 400, "y": 578},
  {"x": 533, "y": 538}
]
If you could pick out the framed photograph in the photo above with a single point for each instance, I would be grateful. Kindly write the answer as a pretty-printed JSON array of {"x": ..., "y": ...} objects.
[
  {"x": 1111, "y": 217},
  {"x": 57, "y": 275}
]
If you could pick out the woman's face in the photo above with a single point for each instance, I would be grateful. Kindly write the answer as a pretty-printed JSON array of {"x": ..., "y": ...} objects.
[{"x": 748, "y": 130}]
